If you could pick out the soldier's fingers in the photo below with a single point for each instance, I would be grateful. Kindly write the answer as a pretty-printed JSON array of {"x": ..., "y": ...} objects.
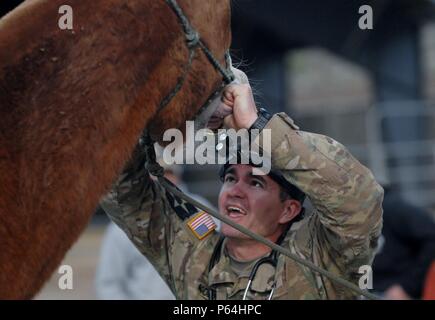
[
  {"x": 235, "y": 91},
  {"x": 227, "y": 97},
  {"x": 215, "y": 123},
  {"x": 229, "y": 122},
  {"x": 222, "y": 110},
  {"x": 228, "y": 101}
]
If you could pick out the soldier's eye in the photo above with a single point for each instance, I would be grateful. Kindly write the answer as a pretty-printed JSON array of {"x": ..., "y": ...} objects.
[
  {"x": 229, "y": 178},
  {"x": 257, "y": 184}
]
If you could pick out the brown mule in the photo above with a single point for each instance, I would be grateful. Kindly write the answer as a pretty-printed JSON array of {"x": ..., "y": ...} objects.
[{"x": 72, "y": 106}]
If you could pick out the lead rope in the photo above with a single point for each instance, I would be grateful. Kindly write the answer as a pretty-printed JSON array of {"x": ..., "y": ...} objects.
[{"x": 156, "y": 170}]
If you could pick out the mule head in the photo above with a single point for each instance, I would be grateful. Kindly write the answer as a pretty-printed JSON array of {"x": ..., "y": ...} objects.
[{"x": 73, "y": 104}]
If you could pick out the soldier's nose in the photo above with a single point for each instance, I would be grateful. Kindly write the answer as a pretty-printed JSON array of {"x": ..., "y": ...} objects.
[{"x": 237, "y": 190}]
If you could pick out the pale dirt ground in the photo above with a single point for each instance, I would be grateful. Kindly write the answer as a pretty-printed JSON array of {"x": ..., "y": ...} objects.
[{"x": 83, "y": 258}]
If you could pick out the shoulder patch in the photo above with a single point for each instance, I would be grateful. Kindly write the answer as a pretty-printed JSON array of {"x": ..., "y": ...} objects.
[
  {"x": 201, "y": 225},
  {"x": 182, "y": 208}
]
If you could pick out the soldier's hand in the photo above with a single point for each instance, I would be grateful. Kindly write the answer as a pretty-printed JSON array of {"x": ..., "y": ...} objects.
[
  {"x": 217, "y": 119},
  {"x": 237, "y": 108},
  {"x": 244, "y": 111}
]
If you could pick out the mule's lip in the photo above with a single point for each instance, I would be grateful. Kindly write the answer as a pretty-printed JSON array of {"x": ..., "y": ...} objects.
[{"x": 235, "y": 209}]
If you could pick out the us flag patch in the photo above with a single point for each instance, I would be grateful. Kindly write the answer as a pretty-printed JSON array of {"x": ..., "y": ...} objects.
[{"x": 201, "y": 225}]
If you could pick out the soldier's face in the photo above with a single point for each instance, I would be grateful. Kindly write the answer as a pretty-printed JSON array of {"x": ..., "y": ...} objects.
[{"x": 253, "y": 201}]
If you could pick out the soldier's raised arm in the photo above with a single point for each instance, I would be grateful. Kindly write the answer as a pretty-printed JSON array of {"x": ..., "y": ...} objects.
[
  {"x": 342, "y": 233},
  {"x": 136, "y": 205}
]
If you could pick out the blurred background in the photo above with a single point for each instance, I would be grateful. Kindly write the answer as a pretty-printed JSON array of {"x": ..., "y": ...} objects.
[{"x": 373, "y": 90}]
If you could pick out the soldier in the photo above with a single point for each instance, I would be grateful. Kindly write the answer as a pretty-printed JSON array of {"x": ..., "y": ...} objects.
[{"x": 199, "y": 263}]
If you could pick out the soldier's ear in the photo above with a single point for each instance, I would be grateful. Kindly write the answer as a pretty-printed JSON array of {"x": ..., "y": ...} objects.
[{"x": 291, "y": 208}]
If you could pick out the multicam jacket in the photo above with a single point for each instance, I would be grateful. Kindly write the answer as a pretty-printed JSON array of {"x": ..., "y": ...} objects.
[{"x": 340, "y": 235}]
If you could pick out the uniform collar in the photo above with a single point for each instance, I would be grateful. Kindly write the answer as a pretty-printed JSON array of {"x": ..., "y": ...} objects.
[{"x": 222, "y": 273}]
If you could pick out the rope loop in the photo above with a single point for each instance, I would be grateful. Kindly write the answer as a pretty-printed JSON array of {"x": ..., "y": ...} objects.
[
  {"x": 151, "y": 164},
  {"x": 192, "y": 38}
]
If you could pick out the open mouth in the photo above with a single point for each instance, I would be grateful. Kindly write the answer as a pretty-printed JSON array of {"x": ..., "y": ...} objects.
[{"x": 235, "y": 211}]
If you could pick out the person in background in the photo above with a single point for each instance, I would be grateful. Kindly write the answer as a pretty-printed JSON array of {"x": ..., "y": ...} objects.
[{"x": 123, "y": 273}]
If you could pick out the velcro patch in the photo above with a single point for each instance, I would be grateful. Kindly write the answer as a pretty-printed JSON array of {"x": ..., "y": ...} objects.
[{"x": 201, "y": 225}]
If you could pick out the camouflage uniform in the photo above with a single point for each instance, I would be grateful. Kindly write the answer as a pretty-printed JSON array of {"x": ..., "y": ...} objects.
[{"x": 339, "y": 236}]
